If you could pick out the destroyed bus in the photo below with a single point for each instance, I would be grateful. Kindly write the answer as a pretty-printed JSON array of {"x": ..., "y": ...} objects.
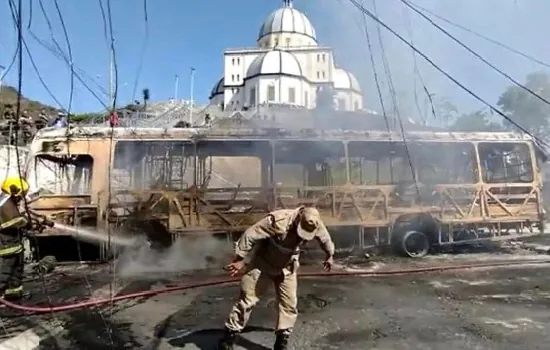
[{"x": 412, "y": 193}]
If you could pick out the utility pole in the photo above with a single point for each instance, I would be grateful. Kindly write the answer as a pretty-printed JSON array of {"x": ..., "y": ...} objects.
[
  {"x": 176, "y": 87},
  {"x": 111, "y": 79},
  {"x": 192, "y": 88}
]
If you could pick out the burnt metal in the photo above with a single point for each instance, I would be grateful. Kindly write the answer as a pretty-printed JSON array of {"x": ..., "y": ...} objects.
[{"x": 195, "y": 181}]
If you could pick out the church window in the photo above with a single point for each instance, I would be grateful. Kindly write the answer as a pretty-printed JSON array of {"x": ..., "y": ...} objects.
[
  {"x": 238, "y": 77},
  {"x": 292, "y": 95},
  {"x": 318, "y": 74},
  {"x": 318, "y": 58},
  {"x": 324, "y": 58},
  {"x": 233, "y": 77},
  {"x": 238, "y": 61},
  {"x": 271, "y": 93},
  {"x": 233, "y": 61},
  {"x": 323, "y": 74}
]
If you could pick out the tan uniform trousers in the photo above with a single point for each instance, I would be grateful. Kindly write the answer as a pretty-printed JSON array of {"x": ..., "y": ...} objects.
[{"x": 253, "y": 284}]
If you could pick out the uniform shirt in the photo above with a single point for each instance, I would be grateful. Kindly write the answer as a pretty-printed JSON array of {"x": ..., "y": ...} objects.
[
  {"x": 11, "y": 219},
  {"x": 269, "y": 245}
]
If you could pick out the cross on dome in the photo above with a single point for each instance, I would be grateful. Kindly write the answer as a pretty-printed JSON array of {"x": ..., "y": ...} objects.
[{"x": 287, "y": 3}]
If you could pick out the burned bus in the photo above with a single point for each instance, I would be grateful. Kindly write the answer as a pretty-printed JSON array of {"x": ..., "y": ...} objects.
[{"x": 412, "y": 192}]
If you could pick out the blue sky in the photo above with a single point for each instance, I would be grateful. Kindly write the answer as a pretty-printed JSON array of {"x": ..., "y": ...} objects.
[{"x": 185, "y": 33}]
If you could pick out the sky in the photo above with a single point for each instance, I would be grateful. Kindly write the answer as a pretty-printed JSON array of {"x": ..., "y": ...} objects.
[{"x": 184, "y": 34}]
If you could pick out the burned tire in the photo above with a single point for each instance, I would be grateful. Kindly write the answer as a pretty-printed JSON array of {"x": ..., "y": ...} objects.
[{"x": 413, "y": 244}]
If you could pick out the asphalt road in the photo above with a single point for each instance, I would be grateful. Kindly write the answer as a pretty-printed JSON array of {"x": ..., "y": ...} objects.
[{"x": 505, "y": 308}]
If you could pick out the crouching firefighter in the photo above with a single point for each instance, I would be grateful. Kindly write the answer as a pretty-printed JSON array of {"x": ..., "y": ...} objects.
[
  {"x": 12, "y": 224},
  {"x": 268, "y": 252}
]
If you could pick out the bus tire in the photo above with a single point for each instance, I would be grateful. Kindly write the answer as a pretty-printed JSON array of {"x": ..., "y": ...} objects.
[{"x": 413, "y": 244}]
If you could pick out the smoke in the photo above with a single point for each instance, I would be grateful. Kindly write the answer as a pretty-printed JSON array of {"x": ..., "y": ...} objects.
[
  {"x": 186, "y": 254},
  {"x": 513, "y": 22}
]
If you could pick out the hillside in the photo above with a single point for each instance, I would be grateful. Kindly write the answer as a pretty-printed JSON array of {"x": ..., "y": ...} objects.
[{"x": 8, "y": 95}]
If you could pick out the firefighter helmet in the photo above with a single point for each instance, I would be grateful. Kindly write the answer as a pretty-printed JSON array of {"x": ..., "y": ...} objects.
[{"x": 15, "y": 186}]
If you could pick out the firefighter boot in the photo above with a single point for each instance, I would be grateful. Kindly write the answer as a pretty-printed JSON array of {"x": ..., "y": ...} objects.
[
  {"x": 228, "y": 340},
  {"x": 281, "y": 340}
]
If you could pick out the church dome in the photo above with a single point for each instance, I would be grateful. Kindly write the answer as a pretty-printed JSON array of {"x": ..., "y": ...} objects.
[
  {"x": 344, "y": 80},
  {"x": 218, "y": 89},
  {"x": 275, "y": 62},
  {"x": 289, "y": 23}
]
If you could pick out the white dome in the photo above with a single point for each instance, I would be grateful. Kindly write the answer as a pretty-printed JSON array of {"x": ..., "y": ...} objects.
[
  {"x": 218, "y": 89},
  {"x": 275, "y": 62},
  {"x": 287, "y": 20},
  {"x": 344, "y": 80}
]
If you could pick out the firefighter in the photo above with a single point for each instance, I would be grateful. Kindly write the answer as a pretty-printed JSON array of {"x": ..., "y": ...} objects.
[
  {"x": 268, "y": 252},
  {"x": 12, "y": 222}
]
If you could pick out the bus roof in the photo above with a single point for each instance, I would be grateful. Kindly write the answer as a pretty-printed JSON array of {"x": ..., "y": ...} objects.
[{"x": 94, "y": 132}]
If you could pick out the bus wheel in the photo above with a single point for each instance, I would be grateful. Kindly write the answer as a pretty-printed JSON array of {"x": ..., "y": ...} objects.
[{"x": 414, "y": 244}]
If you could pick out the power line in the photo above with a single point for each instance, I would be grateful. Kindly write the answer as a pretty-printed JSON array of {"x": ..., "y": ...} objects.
[
  {"x": 33, "y": 63},
  {"x": 507, "y": 76},
  {"x": 63, "y": 57},
  {"x": 70, "y": 53},
  {"x": 377, "y": 82},
  {"x": 396, "y": 106},
  {"x": 418, "y": 74},
  {"x": 109, "y": 23},
  {"x": 79, "y": 72},
  {"x": 479, "y": 35},
  {"x": 19, "y": 24},
  {"x": 143, "y": 50},
  {"x": 447, "y": 75}
]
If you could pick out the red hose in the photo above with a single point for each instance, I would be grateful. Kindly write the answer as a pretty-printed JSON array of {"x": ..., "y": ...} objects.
[{"x": 222, "y": 281}]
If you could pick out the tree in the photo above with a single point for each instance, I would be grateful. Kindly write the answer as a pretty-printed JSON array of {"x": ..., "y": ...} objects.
[
  {"x": 526, "y": 109},
  {"x": 445, "y": 110},
  {"x": 475, "y": 121},
  {"x": 146, "y": 96}
]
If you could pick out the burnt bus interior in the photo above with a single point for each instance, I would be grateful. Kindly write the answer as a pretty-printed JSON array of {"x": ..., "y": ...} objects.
[
  {"x": 65, "y": 195},
  {"x": 469, "y": 190}
]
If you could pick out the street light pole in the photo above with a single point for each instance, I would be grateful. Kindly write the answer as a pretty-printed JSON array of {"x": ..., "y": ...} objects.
[
  {"x": 192, "y": 88},
  {"x": 176, "y": 87}
]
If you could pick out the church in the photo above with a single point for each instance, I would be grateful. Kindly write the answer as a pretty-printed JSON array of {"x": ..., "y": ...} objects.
[{"x": 288, "y": 67}]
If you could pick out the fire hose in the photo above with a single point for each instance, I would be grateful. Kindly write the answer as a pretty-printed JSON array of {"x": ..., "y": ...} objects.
[{"x": 231, "y": 280}]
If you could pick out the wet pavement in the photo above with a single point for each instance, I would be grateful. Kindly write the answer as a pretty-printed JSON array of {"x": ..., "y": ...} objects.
[{"x": 504, "y": 308}]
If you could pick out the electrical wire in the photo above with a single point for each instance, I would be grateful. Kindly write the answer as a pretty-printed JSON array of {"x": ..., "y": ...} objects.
[
  {"x": 78, "y": 75},
  {"x": 70, "y": 56},
  {"x": 396, "y": 107},
  {"x": 215, "y": 282},
  {"x": 479, "y": 35},
  {"x": 501, "y": 72},
  {"x": 416, "y": 73},
  {"x": 378, "y": 87},
  {"x": 108, "y": 20},
  {"x": 12, "y": 61},
  {"x": 143, "y": 50},
  {"x": 19, "y": 24},
  {"x": 447, "y": 75}
]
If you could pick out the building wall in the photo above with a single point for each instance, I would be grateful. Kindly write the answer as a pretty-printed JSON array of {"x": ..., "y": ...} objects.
[
  {"x": 316, "y": 64},
  {"x": 285, "y": 41},
  {"x": 348, "y": 100},
  {"x": 281, "y": 88}
]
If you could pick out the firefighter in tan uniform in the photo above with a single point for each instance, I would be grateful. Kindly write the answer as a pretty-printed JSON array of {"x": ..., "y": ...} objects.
[
  {"x": 268, "y": 252},
  {"x": 12, "y": 223}
]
